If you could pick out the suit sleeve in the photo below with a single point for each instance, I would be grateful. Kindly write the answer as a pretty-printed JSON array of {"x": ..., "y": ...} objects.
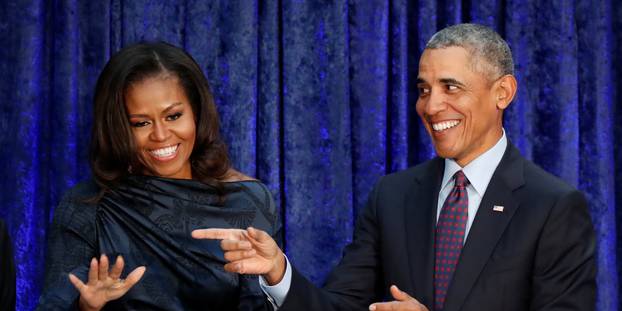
[
  {"x": 565, "y": 269},
  {"x": 353, "y": 284},
  {"x": 7, "y": 274}
]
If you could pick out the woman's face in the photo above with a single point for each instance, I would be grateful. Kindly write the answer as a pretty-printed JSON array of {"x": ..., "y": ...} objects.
[{"x": 163, "y": 125}]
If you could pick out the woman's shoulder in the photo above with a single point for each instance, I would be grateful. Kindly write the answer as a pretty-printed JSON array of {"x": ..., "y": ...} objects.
[
  {"x": 82, "y": 191},
  {"x": 251, "y": 192},
  {"x": 77, "y": 204},
  {"x": 233, "y": 176},
  {"x": 240, "y": 180}
]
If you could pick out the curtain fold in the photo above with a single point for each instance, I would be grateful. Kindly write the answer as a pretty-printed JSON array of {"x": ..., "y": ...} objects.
[
  {"x": 317, "y": 139},
  {"x": 316, "y": 99}
]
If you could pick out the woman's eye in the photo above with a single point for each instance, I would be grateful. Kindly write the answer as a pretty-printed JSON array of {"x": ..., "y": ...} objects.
[
  {"x": 174, "y": 116},
  {"x": 140, "y": 123}
]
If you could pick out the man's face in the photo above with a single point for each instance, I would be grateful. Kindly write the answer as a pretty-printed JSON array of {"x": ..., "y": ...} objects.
[{"x": 457, "y": 104}]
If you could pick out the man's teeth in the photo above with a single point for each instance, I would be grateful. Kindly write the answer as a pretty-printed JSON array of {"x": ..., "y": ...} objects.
[
  {"x": 441, "y": 126},
  {"x": 164, "y": 152}
]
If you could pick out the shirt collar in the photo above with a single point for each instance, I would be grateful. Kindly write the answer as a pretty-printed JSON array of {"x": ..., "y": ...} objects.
[{"x": 480, "y": 170}]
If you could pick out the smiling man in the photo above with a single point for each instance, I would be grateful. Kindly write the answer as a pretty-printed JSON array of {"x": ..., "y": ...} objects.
[{"x": 477, "y": 228}]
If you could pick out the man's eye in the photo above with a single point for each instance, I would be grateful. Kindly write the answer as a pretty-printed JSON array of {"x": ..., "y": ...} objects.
[
  {"x": 423, "y": 91},
  {"x": 174, "y": 116},
  {"x": 140, "y": 123},
  {"x": 452, "y": 87}
]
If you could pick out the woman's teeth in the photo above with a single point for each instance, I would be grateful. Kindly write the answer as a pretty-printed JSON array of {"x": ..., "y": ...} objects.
[
  {"x": 441, "y": 126},
  {"x": 164, "y": 152}
]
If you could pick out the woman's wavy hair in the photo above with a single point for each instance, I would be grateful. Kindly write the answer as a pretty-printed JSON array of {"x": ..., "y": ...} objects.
[{"x": 113, "y": 154}]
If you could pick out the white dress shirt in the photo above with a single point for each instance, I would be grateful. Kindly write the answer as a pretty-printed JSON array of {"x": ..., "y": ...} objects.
[{"x": 478, "y": 172}]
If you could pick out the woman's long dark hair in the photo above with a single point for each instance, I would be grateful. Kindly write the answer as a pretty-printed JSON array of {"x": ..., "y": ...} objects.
[{"x": 113, "y": 149}]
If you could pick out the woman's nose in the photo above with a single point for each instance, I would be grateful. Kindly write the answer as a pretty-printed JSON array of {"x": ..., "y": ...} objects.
[{"x": 159, "y": 132}]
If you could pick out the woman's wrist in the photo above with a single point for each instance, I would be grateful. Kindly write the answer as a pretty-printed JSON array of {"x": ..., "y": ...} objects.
[{"x": 84, "y": 306}]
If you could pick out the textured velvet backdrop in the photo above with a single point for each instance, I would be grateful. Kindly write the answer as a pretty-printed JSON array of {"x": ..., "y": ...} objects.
[{"x": 316, "y": 98}]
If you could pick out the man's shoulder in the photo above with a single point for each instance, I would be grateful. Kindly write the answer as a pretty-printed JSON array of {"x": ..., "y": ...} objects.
[
  {"x": 420, "y": 171},
  {"x": 539, "y": 183},
  {"x": 521, "y": 174}
]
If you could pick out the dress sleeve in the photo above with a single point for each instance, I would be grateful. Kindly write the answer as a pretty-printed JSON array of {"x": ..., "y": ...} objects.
[
  {"x": 251, "y": 295},
  {"x": 71, "y": 245}
]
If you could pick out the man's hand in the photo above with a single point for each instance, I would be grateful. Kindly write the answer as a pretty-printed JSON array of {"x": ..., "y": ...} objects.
[
  {"x": 249, "y": 251},
  {"x": 402, "y": 302},
  {"x": 103, "y": 285}
]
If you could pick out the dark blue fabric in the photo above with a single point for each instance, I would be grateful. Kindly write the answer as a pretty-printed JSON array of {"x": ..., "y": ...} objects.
[
  {"x": 316, "y": 100},
  {"x": 147, "y": 220}
]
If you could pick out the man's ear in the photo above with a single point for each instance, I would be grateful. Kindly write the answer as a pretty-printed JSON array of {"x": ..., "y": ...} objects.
[{"x": 504, "y": 90}]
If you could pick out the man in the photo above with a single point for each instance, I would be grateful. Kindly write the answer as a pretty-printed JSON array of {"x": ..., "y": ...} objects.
[
  {"x": 477, "y": 228},
  {"x": 7, "y": 270}
]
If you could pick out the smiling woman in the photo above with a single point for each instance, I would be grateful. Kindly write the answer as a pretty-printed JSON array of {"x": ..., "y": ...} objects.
[
  {"x": 160, "y": 171},
  {"x": 163, "y": 126},
  {"x": 140, "y": 94}
]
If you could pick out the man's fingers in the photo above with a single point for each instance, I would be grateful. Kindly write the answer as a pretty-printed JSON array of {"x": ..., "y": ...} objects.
[
  {"x": 399, "y": 295},
  {"x": 234, "y": 245},
  {"x": 116, "y": 270},
  {"x": 243, "y": 266},
  {"x": 239, "y": 255},
  {"x": 402, "y": 301},
  {"x": 134, "y": 277},
  {"x": 93, "y": 271},
  {"x": 103, "y": 267},
  {"x": 384, "y": 306},
  {"x": 258, "y": 235},
  {"x": 217, "y": 234},
  {"x": 77, "y": 283}
]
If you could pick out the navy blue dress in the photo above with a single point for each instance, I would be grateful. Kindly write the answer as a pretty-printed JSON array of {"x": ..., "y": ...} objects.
[{"x": 148, "y": 220}]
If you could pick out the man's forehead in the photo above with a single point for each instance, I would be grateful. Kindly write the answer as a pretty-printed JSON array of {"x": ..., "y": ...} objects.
[
  {"x": 448, "y": 56},
  {"x": 441, "y": 64},
  {"x": 443, "y": 61}
]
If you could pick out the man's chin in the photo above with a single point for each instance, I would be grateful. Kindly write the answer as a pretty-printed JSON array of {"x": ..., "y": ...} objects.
[{"x": 445, "y": 153}]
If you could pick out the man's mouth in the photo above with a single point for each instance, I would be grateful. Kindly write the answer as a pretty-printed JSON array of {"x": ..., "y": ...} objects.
[
  {"x": 165, "y": 153},
  {"x": 444, "y": 125}
]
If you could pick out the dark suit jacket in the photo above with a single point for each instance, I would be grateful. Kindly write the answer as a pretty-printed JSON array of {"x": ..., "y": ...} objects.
[
  {"x": 538, "y": 254},
  {"x": 7, "y": 270}
]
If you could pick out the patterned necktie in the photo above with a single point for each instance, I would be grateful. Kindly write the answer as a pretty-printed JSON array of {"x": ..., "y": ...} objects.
[{"x": 450, "y": 230}]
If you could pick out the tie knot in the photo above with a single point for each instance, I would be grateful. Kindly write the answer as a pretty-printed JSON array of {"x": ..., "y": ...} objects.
[{"x": 461, "y": 180}]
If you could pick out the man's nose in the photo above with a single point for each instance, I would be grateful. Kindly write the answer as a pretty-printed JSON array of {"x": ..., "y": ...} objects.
[
  {"x": 159, "y": 132},
  {"x": 437, "y": 102}
]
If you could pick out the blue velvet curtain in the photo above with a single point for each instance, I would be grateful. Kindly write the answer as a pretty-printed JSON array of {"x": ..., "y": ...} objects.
[{"x": 316, "y": 100}]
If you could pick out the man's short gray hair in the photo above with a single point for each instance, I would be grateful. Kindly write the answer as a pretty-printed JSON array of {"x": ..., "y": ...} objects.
[{"x": 483, "y": 43}]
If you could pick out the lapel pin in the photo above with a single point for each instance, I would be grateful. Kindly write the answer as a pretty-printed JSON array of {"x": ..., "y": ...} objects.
[{"x": 498, "y": 208}]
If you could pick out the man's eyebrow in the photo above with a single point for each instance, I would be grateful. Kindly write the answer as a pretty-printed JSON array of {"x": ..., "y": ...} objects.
[
  {"x": 420, "y": 80},
  {"x": 451, "y": 81}
]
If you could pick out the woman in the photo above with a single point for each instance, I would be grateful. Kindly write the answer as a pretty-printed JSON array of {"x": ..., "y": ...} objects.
[{"x": 160, "y": 170}]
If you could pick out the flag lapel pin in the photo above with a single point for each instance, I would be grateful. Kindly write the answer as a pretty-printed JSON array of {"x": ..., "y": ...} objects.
[{"x": 498, "y": 208}]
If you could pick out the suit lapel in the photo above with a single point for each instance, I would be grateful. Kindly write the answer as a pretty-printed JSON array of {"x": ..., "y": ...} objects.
[
  {"x": 420, "y": 217},
  {"x": 487, "y": 227}
]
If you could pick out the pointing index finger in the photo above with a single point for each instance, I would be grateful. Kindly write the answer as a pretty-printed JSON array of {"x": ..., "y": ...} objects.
[{"x": 217, "y": 234}]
